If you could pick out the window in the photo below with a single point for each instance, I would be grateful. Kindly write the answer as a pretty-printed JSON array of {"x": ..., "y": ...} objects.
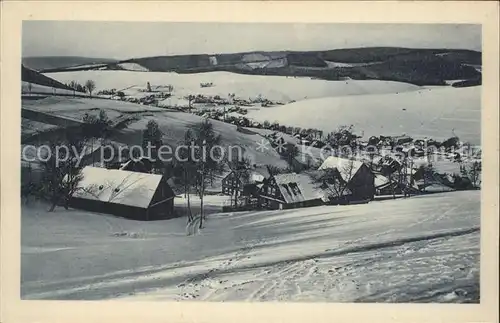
[
  {"x": 295, "y": 188},
  {"x": 287, "y": 189}
]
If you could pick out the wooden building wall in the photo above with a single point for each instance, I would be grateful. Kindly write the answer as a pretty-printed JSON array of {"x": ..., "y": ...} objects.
[{"x": 362, "y": 185}]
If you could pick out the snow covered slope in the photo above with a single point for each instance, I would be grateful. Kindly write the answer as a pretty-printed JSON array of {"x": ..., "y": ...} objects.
[
  {"x": 437, "y": 112},
  {"x": 276, "y": 88},
  {"x": 419, "y": 249},
  {"x": 172, "y": 123},
  {"x": 42, "y": 89}
]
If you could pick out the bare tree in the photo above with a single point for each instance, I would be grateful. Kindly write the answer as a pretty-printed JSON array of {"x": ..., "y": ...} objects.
[
  {"x": 96, "y": 127},
  {"x": 343, "y": 136},
  {"x": 473, "y": 172},
  {"x": 62, "y": 173},
  {"x": 199, "y": 164},
  {"x": 90, "y": 86},
  {"x": 190, "y": 101},
  {"x": 289, "y": 153},
  {"x": 336, "y": 180},
  {"x": 395, "y": 180},
  {"x": 152, "y": 137},
  {"x": 74, "y": 86},
  {"x": 241, "y": 170},
  {"x": 188, "y": 167},
  {"x": 208, "y": 158}
]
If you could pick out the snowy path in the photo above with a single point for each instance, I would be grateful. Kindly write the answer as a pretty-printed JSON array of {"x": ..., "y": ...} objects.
[{"x": 418, "y": 249}]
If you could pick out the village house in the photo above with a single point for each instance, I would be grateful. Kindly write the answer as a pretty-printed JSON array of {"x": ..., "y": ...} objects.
[
  {"x": 286, "y": 191},
  {"x": 134, "y": 195},
  {"x": 333, "y": 185},
  {"x": 401, "y": 140},
  {"x": 396, "y": 184},
  {"x": 141, "y": 165},
  {"x": 389, "y": 164},
  {"x": 236, "y": 184},
  {"x": 358, "y": 177}
]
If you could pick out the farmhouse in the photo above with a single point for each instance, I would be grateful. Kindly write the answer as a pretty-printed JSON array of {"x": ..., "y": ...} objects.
[
  {"x": 141, "y": 165},
  {"x": 333, "y": 185},
  {"x": 389, "y": 164},
  {"x": 286, "y": 191},
  {"x": 134, "y": 195},
  {"x": 235, "y": 183},
  {"x": 394, "y": 185},
  {"x": 358, "y": 177}
]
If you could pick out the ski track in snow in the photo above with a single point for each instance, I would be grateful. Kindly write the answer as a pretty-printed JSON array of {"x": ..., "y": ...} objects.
[{"x": 419, "y": 249}]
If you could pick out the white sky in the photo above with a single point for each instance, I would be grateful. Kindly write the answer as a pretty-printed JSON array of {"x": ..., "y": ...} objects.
[{"x": 138, "y": 39}]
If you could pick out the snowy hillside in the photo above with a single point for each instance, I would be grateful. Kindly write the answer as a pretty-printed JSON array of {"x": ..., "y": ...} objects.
[
  {"x": 436, "y": 112},
  {"x": 41, "y": 89},
  {"x": 420, "y": 249},
  {"x": 276, "y": 88},
  {"x": 172, "y": 123}
]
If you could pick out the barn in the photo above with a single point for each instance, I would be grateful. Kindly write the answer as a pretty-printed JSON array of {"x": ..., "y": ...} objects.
[
  {"x": 134, "y": 195},
  {"x": 287, "y": 191},
  {"x": 357, "y": 175}
]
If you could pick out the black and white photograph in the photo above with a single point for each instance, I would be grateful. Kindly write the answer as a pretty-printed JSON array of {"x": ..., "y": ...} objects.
[{"x": 251, "y": 162}]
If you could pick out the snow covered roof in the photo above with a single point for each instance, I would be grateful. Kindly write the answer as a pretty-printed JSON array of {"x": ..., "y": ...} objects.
[
  {"x": 437, "y": 187},
  {"x": 298, "y": 187},
  {"x": 117, "y": 186},
  {"x": 343, "y": 165},
  {"x": 262, "y": 171},
  {"x": 256, "y": 177},
  {"x": 381, "y": 180}
]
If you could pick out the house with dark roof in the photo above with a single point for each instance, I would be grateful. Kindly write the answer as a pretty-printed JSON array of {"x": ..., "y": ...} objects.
[
  {"x": 246, "y": 184},
  {"x": 334, "y": 187},
  {"x": 396, "y": 184},
  {"x": 286, "y": 191},
  {"x": 134, "y": 195},
  {"x": 141, "y": 165},
  {"x": 359, "y": 178}
]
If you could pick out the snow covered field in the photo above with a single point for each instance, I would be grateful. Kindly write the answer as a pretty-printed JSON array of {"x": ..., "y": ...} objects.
[
  {"x": 374, "y": 107},
  {"x": 78, "y": 106},
  {"x": 420, "y": 249},
  {"x": 174, "y": 125},
  {"x": 437, "y": 112},
  {"x": 41, "y": 89},
  {"x": 276, "y": 88}
]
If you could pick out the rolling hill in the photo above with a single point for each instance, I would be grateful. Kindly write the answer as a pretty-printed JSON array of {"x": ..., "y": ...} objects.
[
  {"x": 435, "y": 112},
  {"x": 41, "y": 63},
  {"x": 277, "y": 88},
  {"x": 172, "y": 123},
  {"x": 31, "y": 76},
  {"x": 416, "y": 66}
]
